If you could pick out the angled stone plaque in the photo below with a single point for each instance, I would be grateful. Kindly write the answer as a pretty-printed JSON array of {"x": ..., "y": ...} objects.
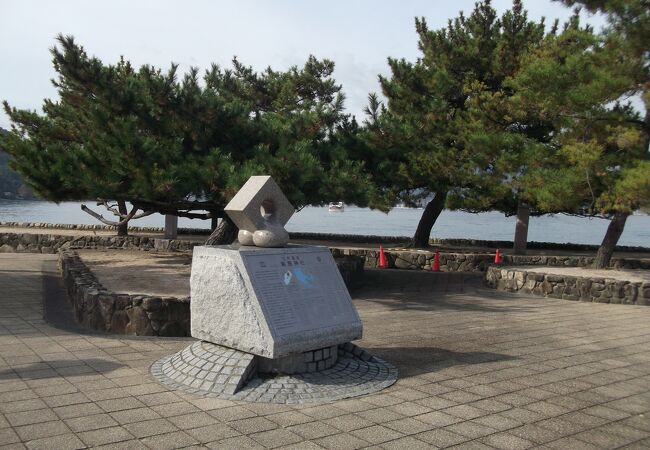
[{"x": 271, "y": 302}]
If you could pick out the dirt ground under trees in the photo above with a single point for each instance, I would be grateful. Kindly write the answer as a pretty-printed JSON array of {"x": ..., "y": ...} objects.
[{"x": 137, "y": 272}]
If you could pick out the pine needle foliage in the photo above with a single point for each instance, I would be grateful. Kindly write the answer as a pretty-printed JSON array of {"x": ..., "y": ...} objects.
[{"x": 181, "y": 143}]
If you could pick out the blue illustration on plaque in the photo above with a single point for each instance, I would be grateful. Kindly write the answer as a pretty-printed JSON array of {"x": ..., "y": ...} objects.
[{"x": 303, "y": 278}]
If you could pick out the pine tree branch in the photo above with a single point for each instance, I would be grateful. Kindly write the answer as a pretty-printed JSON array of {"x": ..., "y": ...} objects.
[
  {"x": 116, "y": 212},
  {"x": 181, "y": 208},
  {"x": 101, "y": 218},
  {"x": 639, "y": 122}
]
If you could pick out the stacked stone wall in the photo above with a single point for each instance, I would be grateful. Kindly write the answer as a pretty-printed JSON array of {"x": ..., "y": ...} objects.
[
  {"x": 476, "y": 262},
  {"x": 52, "y": 243},
  {"x": 352, "y": 268},
  {"x": 353, "y": 238},
  {"x": 98, "y": 308},
  {"x": 567, "y": 287}
]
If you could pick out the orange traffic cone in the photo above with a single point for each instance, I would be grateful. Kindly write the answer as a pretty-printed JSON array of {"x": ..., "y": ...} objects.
[
  {"x": 497, "y": 257},
  {"x": 435, "y": 266},
  {"x": 383, "y": 262}
]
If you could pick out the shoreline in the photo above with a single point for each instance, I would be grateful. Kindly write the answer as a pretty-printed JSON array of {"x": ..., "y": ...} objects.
[{"x": 198, "y": 234}]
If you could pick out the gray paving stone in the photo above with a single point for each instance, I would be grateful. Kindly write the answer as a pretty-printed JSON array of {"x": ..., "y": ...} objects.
[
  {"x": 61, "y": 442},
  {"x": 471, "y": 429},
  {"x": 132, "y": 444},
  {"x": 408, "y": 426},
  {"x": 348, "y": 422},
  {"x": 150, "y": 427},
  {"x": 120, "y": 404},
  {"x": 232, "y": 413},
  {"x": 534, "y": 433},
  {"x": 286, "y": 419},
  {"x": 569, "y": 442},
  {"x": 104, "y": 436},
  {"x": 377, "y": 434},
  {"x": 22, "y": 405},
  {"x": 134, "y": 415},
  {"x": 341, "y": 441},
  {"x": 252, "y": 425},
  {"x": 407, "y": 443},
  {"x": 192, "y": 420},
  {"x": 88, "y": 423},
  {"x": 603, "y": 439},
  {"x": 71, "y": 411},
  {"x": 465, "y": 412},
  {"x": 8, "y": 436},
  {"x": 29, "y": 417},
  {"x": 236, "y": 442},
  {"x": 601, "y": 349},
  {"x": 177, "y": 439},
  {"x": 275, "y": 438},
  {"x": 380, "y": 415},
  {"x": 507, "y": 441},
  {"x": 442, "y": 438},
  {"x": 172, "y": 409},
  {"x": 314, "y": 430},
  {"x": 41, "y": 430},
  {"x": 409, "y": 409},
  {"x": 606, "y": 413},
  {"x": 211, "y": 433}
]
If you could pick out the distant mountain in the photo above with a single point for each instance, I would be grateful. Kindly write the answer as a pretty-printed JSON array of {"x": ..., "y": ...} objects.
[{"x": 11, "y": 184}]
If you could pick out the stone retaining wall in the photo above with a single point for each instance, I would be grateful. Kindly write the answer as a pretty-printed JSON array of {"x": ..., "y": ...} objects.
[
  {"x": 342, "y": 237},
  {"x": 52, "y": 243},
  {"x": 397, "y": 259},
  {"x": 97, "y": 308},
  {"x": 77, "y": 226},
  {"x": 476, "y": 262},
  {"x": 601, "y": 290},
  {"x": 421, "y": 260}
]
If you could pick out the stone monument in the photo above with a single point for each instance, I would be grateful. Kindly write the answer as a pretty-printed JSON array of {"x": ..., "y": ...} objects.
[
  {"x": 262, "y": 306},
  {"x": 260, "y": 210}
]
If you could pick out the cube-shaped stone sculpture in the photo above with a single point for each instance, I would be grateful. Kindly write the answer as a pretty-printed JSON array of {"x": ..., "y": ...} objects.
[
  {"x": 260, "y": 210},
  {"x": 270, "y": 302}
]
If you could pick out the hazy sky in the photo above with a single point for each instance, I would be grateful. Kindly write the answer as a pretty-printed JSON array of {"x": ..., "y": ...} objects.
[{"x": 357, "y": 34}]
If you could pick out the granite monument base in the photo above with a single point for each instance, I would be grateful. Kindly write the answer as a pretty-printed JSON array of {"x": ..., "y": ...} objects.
[
  {"x": 336, "y": 372},
  {"x": 271, "y": 302}
]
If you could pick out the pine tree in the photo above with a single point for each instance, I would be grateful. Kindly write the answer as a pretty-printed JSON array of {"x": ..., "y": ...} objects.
[
  {"x": 582, "y": 82},
  {"x": 433, "y": 129},
  {"x": 499, "y": 114},
  {"x": 184, "y": 147}
]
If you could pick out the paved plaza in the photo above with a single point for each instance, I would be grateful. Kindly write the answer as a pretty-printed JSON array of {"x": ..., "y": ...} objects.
[{"x": 477, "y": 369}]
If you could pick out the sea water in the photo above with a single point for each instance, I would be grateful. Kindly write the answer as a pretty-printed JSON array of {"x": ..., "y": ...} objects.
[{"x": 398, "y": 222}]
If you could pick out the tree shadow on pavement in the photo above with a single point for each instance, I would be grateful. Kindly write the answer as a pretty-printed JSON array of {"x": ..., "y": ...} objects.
[
  {"x": 428, "y": 291},
  {"x": 57, "y": 311},
  {"x": 412, "y": 361},
  {"x": 58, "y": 368}
]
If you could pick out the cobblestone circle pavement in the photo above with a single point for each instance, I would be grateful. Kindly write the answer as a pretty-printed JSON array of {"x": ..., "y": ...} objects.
[
  {"x": 213, "y": 371},
  {"x": 478, "y": 369}
]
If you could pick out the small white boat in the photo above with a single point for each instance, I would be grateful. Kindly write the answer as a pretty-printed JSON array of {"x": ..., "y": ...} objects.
[{"x": 336, "y": 207}]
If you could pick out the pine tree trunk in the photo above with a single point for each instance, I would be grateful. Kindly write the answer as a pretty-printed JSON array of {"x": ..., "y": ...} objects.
[
  {"x": 225, "y": 233},
  {"x": 613, "y": 234},
  {"x": 428, "y": 219},
  {"x": 122, "y": 230},
  {"x": 171, "y": 226},
  {"x": 521, "y": 229}
]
